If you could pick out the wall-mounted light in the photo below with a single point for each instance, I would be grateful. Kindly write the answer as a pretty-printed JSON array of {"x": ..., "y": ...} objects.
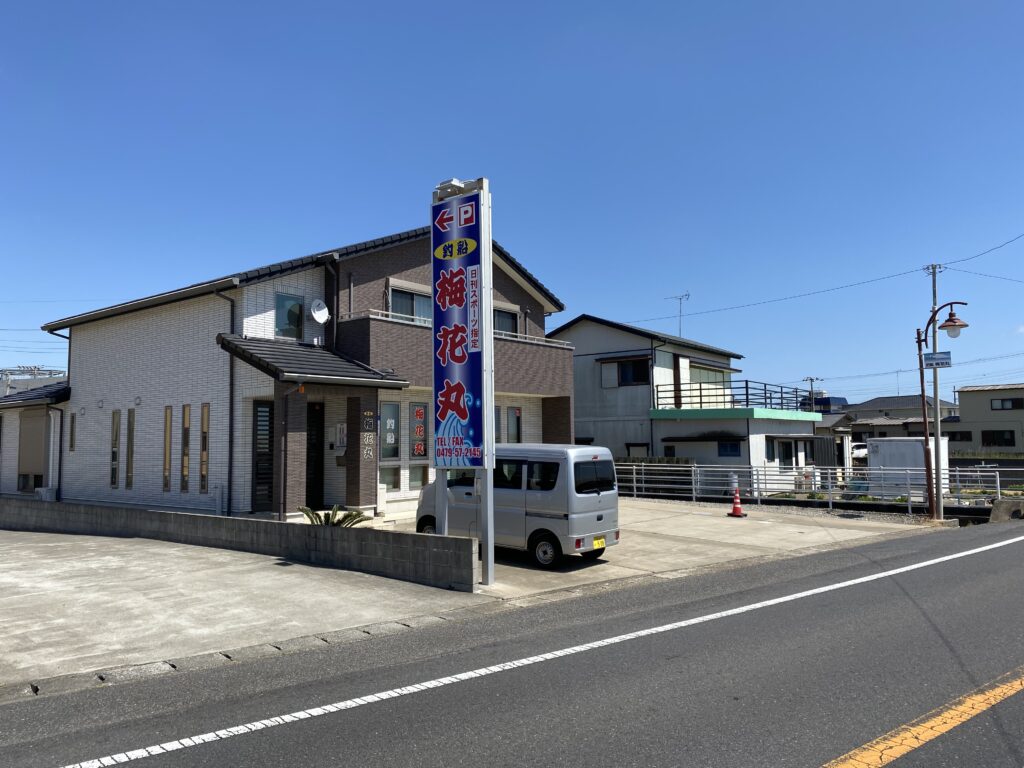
[
  {"x": 81, "y": 411},
  {"x": 138, "y": 401},
  {"x": 99, "y": 403}
]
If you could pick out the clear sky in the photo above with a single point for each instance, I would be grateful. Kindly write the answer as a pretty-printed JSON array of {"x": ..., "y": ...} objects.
[{"x": 738, "y": 151}]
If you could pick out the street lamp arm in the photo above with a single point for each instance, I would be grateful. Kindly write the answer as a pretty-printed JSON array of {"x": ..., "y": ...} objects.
[{"x": 937, "y": 310}]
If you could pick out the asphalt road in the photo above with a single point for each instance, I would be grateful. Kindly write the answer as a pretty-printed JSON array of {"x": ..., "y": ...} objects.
[{"x": 797, "y": 683}]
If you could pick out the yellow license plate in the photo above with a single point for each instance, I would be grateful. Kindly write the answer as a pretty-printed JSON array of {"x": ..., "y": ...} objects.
[{"x": 598, "y": 542}]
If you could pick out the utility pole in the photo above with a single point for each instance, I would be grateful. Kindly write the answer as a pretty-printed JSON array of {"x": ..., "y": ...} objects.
[
  {"x": 934, "y": 269},
  {"x": 810, "y": 383},
  {"x": 680, "y": 298}
]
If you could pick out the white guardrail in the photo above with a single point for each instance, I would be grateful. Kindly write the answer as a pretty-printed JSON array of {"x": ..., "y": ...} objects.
[{"x": 894, "y": 485}]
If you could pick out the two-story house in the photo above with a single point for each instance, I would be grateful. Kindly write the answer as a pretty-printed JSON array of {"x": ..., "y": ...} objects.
[
  {"x": 893, "y": 416},
  {"x": 231, "y": 395},
  {"x": 642, "y": 393},
  {"x": 991, "y": 421}
]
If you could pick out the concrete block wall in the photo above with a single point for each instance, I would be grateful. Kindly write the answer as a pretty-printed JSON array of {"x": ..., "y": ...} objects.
[{"x": 448, "y": 562}]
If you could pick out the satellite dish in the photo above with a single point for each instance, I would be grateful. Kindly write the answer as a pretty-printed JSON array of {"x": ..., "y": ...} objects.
[{"x": 319, "y": 312}]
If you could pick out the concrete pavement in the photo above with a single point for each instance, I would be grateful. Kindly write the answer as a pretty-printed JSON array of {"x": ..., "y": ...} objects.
[{"x": 72, "y": 604}]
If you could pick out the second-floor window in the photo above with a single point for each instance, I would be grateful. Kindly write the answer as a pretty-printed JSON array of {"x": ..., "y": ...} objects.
[
  {"x": 288, "y": 316},
  {"x": 506, "y": 322},
  {"x": 1008, "y": 404},
  {"x": 416, "y": 306},
  {"x": 632, "y": 372}
]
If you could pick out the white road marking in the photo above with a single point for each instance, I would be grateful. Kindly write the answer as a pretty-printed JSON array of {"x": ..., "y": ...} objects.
[{"x": 323, "y": 709}]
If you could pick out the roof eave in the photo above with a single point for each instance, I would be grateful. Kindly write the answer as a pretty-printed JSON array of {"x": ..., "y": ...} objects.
[
  {"x": 147, "y": 303},
  {"x": 302, "y": 378}
]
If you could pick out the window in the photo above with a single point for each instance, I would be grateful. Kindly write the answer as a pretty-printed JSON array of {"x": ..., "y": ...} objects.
[
  {"x": 634, "y": 372},
  {"x": 71, "y": 432},
  {"x": 594, "y": 476},
  {"x": 390, "y": 431},
  {"x": 508, "y": 474},
  {"x": 541, "y": 475},
  {"x": 515, "y": 425},
  {"x": 391, "y": 477},
  {"x": 497, "y": 423},
  {"x": 995, "y": 438},
  {"x": 28, "y": 483},
  {"x": 506, "y": 322},
  {"x": 769, "y": 449},
  {"x": 129, "y": 451},
  {"x": 168, "y": 418},
  {"x": 1008, "y": 404},
  {"x": 186, "y": 428},
  {"x": 700, "y": 375},
  {"x": 115, "y": 446},
  {"x": 204, "y": 448},
  {"x": 416, "y": 306},
  {"x": 729, "y": 448},
  {"x": 957, "y": 437},
  {"x": 786, "y": 453},
  {"x": 418, "y": 476},
  {"x": 288, "y": 316},
  {"x": 461, "y": 478},
  {"x": 670, "y": 451}
]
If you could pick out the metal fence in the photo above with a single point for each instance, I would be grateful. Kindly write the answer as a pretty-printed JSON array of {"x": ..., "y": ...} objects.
[
  {"x": 904, "y": 487},
  {"x": 740, "y": 393}
]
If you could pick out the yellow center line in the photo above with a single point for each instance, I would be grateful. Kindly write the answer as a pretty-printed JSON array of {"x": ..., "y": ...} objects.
[{"x": 907, "y": 738}]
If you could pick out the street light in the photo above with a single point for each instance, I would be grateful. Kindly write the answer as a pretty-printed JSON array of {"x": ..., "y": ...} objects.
[{"x": 952, "y": 325}]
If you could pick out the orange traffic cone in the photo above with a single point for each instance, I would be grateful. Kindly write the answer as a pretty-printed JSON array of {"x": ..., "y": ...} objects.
[{"x": 737, "y": 508}]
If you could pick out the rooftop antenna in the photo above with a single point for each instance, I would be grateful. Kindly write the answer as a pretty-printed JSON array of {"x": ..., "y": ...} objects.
[{"x": 680, "y": 298}]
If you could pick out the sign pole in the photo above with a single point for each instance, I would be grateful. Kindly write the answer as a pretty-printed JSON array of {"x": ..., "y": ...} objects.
[{"x": 463, "y": 350}]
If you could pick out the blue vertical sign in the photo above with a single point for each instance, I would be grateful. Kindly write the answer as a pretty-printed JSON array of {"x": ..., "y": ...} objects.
[{"x": 456, "y": 250}]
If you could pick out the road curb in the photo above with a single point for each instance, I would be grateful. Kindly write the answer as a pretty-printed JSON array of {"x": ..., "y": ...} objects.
[{"x": 112, "y": 676}]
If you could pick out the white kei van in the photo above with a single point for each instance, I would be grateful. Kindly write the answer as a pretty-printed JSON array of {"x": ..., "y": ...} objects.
[{"x": 549, "y": 500}]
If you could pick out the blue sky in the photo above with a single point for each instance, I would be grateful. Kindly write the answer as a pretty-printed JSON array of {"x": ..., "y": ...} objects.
[{"x": 738, "y": 151}]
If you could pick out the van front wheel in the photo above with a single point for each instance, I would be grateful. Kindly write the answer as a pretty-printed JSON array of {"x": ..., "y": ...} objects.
[{"x": 546, "y": 551}]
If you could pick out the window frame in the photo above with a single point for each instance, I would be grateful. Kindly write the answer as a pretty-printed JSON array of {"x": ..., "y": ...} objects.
[
  {"x": 115, "y": 448},
  {"x": 726, "y": 449},
  {"x": 186, "y": 445},
  {"x": 129, "y": 451},
  {"x": 204, "y": 448},
  {"x": 517, "y": 419},
  {"x": 414, "y": 296},
  {"x": 508, "y": 313},
  {"x": 635, "y": 365},
  {"x": 168, "y": 438},
  {"x": 1006, "y": 403},
  {"x": 278, "y": 296},
  {"x": 987, "y": 439}
]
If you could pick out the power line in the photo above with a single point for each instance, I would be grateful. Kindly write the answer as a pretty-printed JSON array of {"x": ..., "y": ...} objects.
[
  {"x": 783, "y": 298},
  {"x": 996, "y": 248},
  {"x": 982, "y": 274}
]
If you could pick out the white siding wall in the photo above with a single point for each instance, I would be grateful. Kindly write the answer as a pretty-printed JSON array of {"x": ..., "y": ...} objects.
[
  {"x": 258, "y": 304},
  {"x": 162, "y": 356},
  {"x": 9, "y": 450}
]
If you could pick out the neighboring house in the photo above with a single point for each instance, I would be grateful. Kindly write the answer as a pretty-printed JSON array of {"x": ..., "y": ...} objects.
[
  {"x": 642, "y": 393},
  {"x": 12, "y": 384},
  {"x": 991, "y": 420},
  {"x": 894, "y": 416},
  {"x": 229, "y": 395},
  {"x": 30, "y": 428}
]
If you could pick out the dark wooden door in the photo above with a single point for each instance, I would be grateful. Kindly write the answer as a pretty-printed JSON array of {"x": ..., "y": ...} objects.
[
  {"x": 262, "y": 456},
  {"x": 315, "y": 455}
]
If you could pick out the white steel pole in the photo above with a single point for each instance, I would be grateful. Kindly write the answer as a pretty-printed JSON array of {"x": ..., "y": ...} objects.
[{"x": 487, "y": 331}]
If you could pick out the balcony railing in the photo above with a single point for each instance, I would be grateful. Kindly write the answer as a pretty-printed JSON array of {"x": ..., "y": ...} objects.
[
  {"x": 378, "y": 314},
  {"x": 742, "y": 393}
]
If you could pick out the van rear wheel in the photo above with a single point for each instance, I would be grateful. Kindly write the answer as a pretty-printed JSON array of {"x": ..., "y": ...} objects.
[
  {"x": 545, "y": 550},
  {"x": 592, "y": 554},
  {"x": 426, "y": 525}
]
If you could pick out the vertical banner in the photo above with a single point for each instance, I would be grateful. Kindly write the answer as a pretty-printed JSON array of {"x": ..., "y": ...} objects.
[{"x": 460, "y": 248}]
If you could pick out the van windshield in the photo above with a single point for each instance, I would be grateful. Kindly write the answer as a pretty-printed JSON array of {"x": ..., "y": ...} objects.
[{"x": 594, "y": 476}]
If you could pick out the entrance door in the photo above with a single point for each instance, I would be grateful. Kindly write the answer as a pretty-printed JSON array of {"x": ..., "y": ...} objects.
[
  {"x": 315, "y": 455},
  {"x": 262, "y": 456}
]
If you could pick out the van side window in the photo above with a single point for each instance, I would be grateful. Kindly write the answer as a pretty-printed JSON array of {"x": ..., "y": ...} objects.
[
  {"x": 541, "y": 475},
  {"x": 508, "y": 474},
  {"x": 461, "y": 478},
  {"x": 594, "y": 476}
]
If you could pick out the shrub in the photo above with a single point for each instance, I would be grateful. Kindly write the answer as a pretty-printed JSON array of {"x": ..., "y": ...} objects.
[{"x": 335, "y": 518}]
